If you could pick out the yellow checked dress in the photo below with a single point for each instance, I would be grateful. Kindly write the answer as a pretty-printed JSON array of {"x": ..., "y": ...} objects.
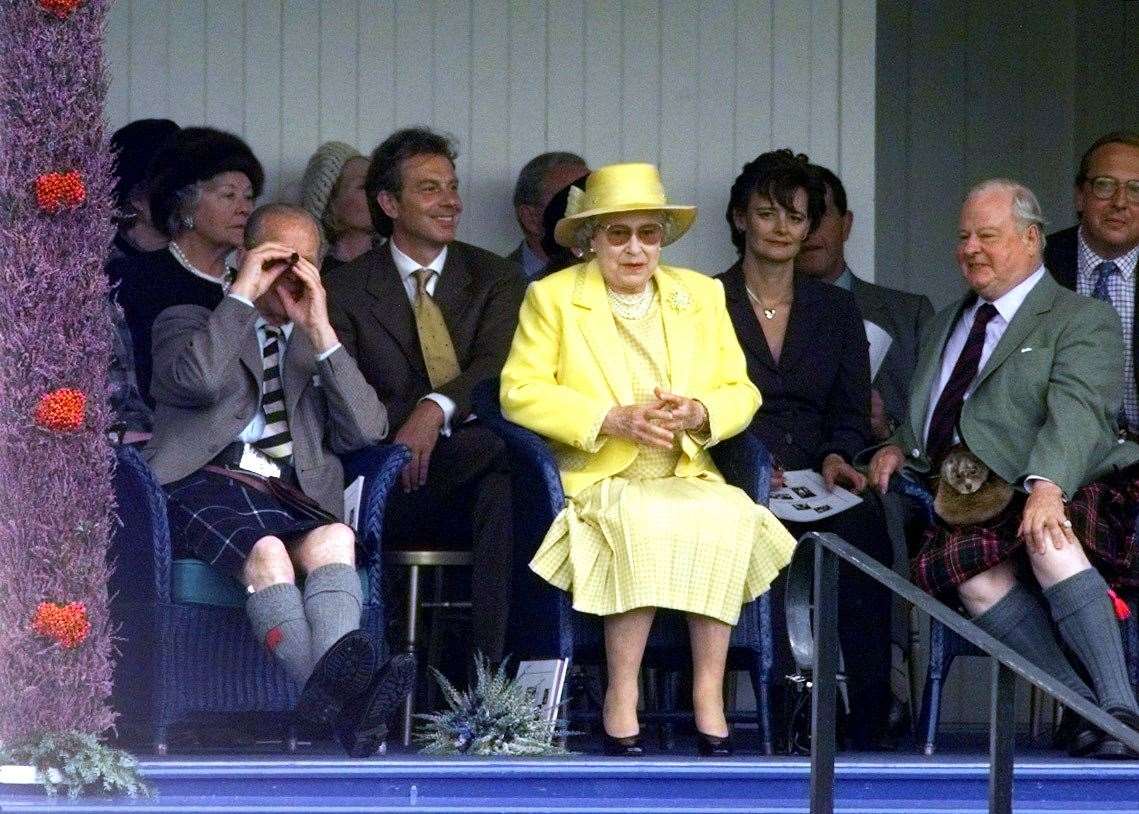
[{"x": 647, "y": 538}]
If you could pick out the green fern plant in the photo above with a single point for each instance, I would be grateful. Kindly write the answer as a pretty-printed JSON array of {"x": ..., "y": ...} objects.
[
  {"x": 497, "y": 716},
  {"x": 76, "y": 762}
]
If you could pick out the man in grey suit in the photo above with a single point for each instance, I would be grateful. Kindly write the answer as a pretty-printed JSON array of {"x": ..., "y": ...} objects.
[
  {"x": 1024, "y": 375},
  {"x": 540, "y": 179},
  {"x": 254, "y": 400},
  {"x": 899, "y": 313}
]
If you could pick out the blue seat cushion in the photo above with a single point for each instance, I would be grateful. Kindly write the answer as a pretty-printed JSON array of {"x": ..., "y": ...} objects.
[{"x": 194, "y": 581}]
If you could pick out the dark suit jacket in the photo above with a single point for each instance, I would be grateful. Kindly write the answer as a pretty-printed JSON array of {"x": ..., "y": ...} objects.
[
  {"x": 479, "y": 294},
  {"x": 901, "y": 315},
  {"x": 207, "y": 385},
  {"x": 1060, "y": 257},
  {"x": 816, "y": 400}
]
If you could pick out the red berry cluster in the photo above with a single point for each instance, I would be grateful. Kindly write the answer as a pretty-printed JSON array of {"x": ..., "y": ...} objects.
[
  {"x": 62, "y": 410},
  {"x": 60, "y": 8},
  {"x": 67, "y": 624},
  {"x": 59, "y": 190}
]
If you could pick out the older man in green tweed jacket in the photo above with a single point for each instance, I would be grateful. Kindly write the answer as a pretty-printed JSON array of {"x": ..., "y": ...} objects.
[{"x": 1025, "y": 374}]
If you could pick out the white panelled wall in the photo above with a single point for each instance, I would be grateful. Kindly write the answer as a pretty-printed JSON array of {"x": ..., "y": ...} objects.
[{"x": 696, "y": 87}]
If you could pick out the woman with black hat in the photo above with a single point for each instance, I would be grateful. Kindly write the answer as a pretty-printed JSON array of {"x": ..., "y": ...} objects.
[
  {"x": 135, "y": 146},
  {"x": 203, "y": 183}
]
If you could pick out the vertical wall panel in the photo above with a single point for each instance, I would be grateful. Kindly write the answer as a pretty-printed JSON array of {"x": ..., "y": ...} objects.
[
  {"x": 262, "y": 83},
  {"x": 375, "y": 60},
  {"x": 753, "y": 79},
  {"x": 186, "y": 71},
  {"x": 699, "y": 87},
  {"x": 300, "y": 75},
  {"x": 565, "y": 77},
  {"x": 641, "y": 81},
  {"x": 338, "y": 70},
  {"x": 527, "y": 122},
  {"x": 148, "y": 57},
  {"x": 414, "y": 58},
  {"x": 225, "y": 64}
]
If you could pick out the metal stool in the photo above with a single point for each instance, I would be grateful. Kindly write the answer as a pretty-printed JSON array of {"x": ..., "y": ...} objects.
[{"x": 414, "y": 561}]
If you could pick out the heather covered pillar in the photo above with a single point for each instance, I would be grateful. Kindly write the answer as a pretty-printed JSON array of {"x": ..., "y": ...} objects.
[{"x": 56, "y": 505}]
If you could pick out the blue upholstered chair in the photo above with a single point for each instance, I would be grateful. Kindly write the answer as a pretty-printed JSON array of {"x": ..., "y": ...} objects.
[
  {"x": 185, "y": 644},
  {"x": 543, "y": 623}
]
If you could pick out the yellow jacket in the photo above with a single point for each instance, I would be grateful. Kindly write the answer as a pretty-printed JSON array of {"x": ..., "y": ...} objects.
[{"x": 565, "y": 370}]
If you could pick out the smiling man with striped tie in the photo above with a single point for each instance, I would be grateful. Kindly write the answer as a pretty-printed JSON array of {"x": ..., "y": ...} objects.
[{"x": 254, "y": 401}]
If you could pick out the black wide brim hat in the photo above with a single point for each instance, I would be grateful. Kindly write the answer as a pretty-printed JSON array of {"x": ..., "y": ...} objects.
[
  {"x": 197, "y": 154},
  {"x": 135, "y": 145}
]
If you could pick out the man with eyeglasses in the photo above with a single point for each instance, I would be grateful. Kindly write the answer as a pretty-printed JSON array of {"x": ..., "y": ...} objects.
[{"x": 1098, "y": 256}]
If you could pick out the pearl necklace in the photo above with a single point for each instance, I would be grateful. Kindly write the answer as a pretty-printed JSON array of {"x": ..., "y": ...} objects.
[
  {"x": 768, "y": 311},
  {"x": 631, "y": 306},
  {"x": 190, "y": 267}
]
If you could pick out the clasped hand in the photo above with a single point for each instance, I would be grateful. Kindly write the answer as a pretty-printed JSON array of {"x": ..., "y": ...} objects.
[
  {"x": 278, "y": 270},
  {"x": 656, "y": 422}
]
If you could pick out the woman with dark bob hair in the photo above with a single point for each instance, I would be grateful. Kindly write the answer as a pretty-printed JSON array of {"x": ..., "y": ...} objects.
[
  {"x": 807, "y": 353},
  {"x": 202, "y": 183}
]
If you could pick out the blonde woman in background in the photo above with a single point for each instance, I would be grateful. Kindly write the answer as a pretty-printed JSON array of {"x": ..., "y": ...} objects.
[{"x": 332, "y": 190}]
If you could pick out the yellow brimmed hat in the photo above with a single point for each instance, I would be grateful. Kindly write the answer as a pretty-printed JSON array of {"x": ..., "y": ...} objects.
[{"x": 622, "y": 188}]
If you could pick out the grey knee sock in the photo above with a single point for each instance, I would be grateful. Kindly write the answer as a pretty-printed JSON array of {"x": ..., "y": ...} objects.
[
  {"x": 1082, "y": 610},
  {"x": 333, "y": 602},
  {"x": 278, "y": 617},
  {"x": 1019, "y": 620}
]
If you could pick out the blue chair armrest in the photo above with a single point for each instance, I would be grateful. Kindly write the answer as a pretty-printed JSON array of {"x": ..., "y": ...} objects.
[
  {"x": 140, "y": 542},
  {"x": 744, "y": 462},
  {"x": 379, "y": 465},
  {"x": 541, "y": 622}
]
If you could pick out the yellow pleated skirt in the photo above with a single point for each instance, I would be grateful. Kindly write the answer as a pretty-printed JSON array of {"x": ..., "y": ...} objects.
[{"x": 691, "y": 544}]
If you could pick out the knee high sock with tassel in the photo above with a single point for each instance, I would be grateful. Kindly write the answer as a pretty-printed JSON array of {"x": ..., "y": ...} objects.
[{"x": 277, "y": 614}]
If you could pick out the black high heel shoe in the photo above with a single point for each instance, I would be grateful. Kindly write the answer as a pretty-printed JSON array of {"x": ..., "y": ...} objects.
[
  {"x": 713, "y": 745},
  {"x": 624, "y": 747}
]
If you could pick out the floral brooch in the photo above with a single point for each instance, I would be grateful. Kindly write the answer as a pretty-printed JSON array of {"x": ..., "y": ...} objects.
[{"x": 679, "y": 299}]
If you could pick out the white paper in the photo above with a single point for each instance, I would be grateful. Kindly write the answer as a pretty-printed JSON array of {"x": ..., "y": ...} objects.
[
  {"x": 545, "y": 680},
  {"x": 804, "y": 497},
  {"x": 352, "y": 496},
  {"x": 880, "y": 342}
]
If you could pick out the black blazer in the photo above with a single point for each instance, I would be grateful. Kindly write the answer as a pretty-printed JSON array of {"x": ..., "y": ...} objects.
[
  {"x": 479, "y": 294},
  {"x": 817, "y": 399},
  {"x": 1061, "y": 251}
]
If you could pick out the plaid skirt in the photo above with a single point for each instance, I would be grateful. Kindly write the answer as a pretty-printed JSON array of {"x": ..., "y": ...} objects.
[
  {"x": 1103, "y": 517},
  {"x": 218, "y": 520}
]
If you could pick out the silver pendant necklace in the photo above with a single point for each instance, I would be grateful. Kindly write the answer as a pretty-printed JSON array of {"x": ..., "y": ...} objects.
[{"x": 768, "y": 312}]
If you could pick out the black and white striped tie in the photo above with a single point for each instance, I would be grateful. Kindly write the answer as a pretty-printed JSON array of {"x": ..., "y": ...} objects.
[{"x": 276, "y": 442}]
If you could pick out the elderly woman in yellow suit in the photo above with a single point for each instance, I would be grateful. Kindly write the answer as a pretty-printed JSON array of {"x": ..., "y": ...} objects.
[{"x": 632, "y": 371}]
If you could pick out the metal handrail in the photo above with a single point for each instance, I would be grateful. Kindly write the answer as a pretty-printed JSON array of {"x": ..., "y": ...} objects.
[{"x": 814, "y": 572}]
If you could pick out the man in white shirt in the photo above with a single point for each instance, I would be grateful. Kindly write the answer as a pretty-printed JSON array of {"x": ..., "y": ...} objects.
[
  {"x": 428, "y": 317},
  {"x": 1098, "y": 256},
  {"x": 539, "y": 180},
  {"x": 1023, "y": 374}
]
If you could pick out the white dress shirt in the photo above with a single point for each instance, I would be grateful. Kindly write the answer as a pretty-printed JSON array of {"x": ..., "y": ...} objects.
[
  {"x": 1007, "y": 306},
  {"x": 407, "y": 268}
]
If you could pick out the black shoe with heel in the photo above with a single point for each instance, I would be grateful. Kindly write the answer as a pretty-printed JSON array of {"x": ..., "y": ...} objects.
[
  {"x": 624, "y": 747},
  {"x": 713, "y": 745}
]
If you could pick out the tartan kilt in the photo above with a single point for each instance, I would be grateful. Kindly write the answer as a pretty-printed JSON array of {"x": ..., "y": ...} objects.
[
  {"x": 215, "y": 519},
  {"x": 1103, "y": 517}
]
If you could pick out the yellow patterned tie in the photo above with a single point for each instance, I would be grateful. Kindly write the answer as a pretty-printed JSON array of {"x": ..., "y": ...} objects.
[{"x": 434, "y": 338}]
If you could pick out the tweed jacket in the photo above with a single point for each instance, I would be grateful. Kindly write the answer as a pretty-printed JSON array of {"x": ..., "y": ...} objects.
[
  {"x": 1045, "y": 402},
  {"x": 902, "y": 315},
  {"x": 478, "y": 293},
  {"x": 566, "y": 370},
  {"x": 1060, "y": 256},
  {"x": 207, "y": 387}
]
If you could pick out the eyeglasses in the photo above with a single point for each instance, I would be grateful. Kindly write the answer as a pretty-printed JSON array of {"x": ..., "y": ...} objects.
[
  {"x": 1104, "y": 187},
  {"x": 619, "y": 234}
]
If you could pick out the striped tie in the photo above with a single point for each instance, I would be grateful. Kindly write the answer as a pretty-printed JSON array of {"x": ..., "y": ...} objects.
[
  {"x": 948, "y": 409},
  {"x": 276, "y": 442}
]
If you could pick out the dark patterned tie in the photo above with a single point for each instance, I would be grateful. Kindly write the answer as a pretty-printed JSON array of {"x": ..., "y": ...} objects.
[
  {"x": 275, "y": 441},
  {"x": 1104, "y": 272},
  {"x": 948, "y": 409}
]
